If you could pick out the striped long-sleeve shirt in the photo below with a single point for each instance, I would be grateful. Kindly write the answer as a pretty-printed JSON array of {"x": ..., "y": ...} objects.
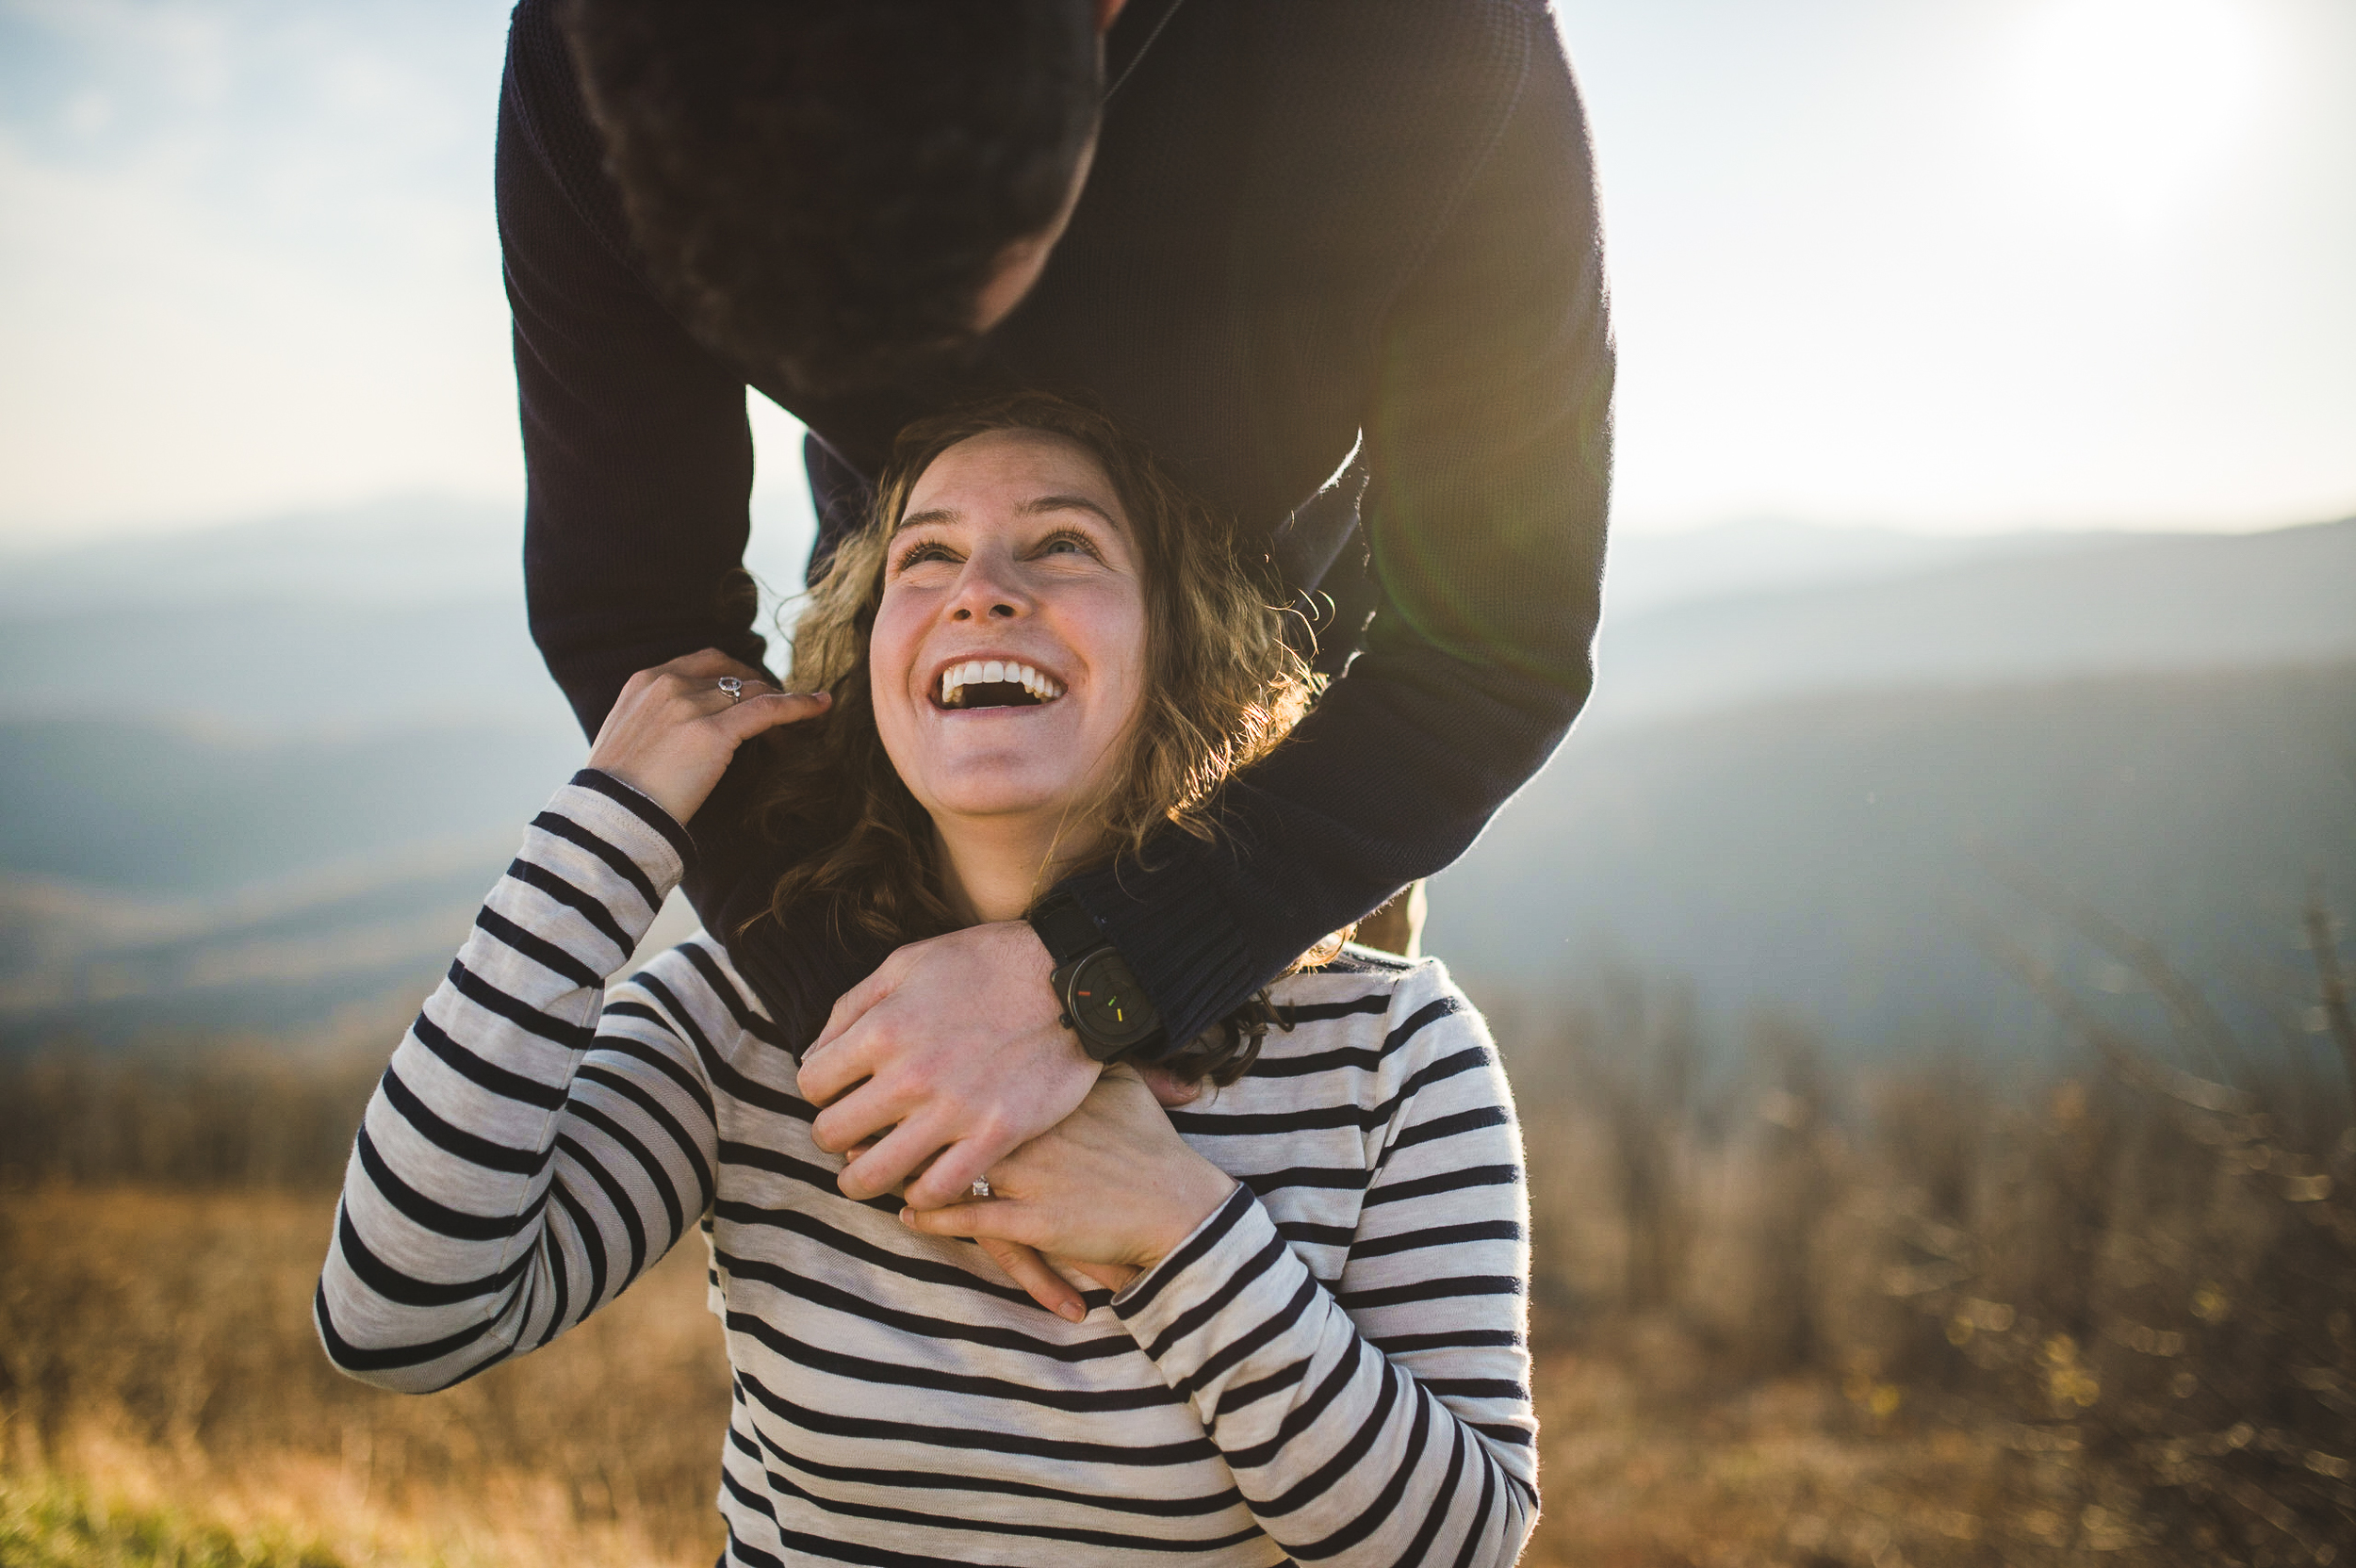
[{"x": 1331, "y": 1369}]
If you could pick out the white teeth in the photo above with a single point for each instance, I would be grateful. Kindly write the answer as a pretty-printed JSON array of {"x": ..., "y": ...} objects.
[{"x": 976, "y": 672}]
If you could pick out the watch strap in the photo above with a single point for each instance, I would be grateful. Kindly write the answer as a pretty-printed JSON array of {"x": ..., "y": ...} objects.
[{"x": 1068, "y": 932}]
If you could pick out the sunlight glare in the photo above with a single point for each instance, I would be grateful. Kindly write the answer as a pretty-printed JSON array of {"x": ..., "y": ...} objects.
[{"x": 2133, "y": 101}]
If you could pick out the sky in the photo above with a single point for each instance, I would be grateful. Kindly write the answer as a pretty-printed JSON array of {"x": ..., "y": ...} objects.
[{"x": 1952, "y": 265}]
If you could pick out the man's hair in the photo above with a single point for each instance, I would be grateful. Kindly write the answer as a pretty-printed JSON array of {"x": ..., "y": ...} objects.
[
  {"x": 1223, "y": 686},
  {"x": 820, "y": 189}
]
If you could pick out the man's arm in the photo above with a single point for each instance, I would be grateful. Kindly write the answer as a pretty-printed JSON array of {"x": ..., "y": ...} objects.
[
  {"x": 1489, "y": 444},
  {"x": 636, "y": 449},
  {"x": 1490, "y": 448}
]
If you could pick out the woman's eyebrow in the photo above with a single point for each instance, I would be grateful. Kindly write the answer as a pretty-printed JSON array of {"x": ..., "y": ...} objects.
[
  {"x": 919, "y": 520},
  {"x": 1067, "y": 503},
  {"x": 1030, "y": 508}
]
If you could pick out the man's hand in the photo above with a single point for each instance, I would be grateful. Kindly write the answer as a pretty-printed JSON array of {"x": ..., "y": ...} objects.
[{"x": 955, "y": 1044}]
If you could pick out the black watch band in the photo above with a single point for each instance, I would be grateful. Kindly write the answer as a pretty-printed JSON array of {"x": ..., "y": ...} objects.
[
  {"x": 1102, "y": 1001},
  {"x": 1070, "y": 932}
]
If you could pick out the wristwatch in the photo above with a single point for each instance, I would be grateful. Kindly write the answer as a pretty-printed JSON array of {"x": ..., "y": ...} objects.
[{"x": 1103, "y": 1002}]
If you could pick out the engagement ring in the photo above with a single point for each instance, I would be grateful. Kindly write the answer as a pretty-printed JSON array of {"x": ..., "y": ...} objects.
[
  {"x": 980, "y": 1187},
  {"x": 733, "y": 687}
]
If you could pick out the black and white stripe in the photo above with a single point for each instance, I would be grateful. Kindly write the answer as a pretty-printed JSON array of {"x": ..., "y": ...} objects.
[{"x": 1331, "y": 1370}]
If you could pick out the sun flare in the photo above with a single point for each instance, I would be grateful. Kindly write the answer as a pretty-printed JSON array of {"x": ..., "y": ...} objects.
[{"x": 2131, "y": 100}]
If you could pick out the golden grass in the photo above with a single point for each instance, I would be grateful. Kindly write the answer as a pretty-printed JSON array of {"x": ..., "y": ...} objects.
[
  {"x": 2100, "y": 1319},
  {"x": 49, "y": 1522},
  {"x": 156, "y": 1351},
  {"x": 160, "y": 1372}
]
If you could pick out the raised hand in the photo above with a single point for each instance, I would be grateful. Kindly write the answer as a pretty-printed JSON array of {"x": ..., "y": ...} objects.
[{"x": 677, "y": 726}]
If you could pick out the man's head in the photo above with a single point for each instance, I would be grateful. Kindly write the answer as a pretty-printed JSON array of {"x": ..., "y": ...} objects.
[{"x": 838, "y": 190}]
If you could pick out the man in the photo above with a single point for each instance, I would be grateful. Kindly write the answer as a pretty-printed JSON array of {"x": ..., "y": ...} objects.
[{"x": 1337, "y": 260}]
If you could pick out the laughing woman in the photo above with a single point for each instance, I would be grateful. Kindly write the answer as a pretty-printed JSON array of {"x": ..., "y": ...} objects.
[{"x": 1305, "y": 1335}]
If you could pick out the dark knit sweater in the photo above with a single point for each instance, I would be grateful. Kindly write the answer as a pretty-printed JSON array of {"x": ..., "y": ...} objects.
[{"x": 1313, "y": 228}]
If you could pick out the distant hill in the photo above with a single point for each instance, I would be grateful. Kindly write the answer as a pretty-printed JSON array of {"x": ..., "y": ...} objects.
[
  {"x": 288, "y": 957},
  {"x": 401, "y": 549},
  {"x": 347, "y": 621},
  {"x": 1830, "y": 856},
  {"x": 2098, "y": 606},
  {"x": 304, "y": 668},
  {"x": 1770, "y": 555},
  {"x": 400, "y": 612},
  {"x": 194, "y": 879},
  {"x": 404, "y": 550},
  {"x": 166, "y": 812},
  {"x": 1833, "y": 855},
  {"x": 254, "y": 774}
]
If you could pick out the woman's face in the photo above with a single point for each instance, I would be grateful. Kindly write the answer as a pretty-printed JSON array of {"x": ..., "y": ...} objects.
[{"x": 1008, "y": 660}]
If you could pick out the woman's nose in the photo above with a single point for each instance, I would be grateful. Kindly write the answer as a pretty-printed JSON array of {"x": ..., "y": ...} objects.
[{"x": 986, "y": 592}]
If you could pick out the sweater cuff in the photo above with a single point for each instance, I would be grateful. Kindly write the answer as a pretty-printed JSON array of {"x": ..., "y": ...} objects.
[
  {"x": 656, "y": 845},
  {"x": 1225, "y": 1292},
  {"x": 1181, "y": 942}
]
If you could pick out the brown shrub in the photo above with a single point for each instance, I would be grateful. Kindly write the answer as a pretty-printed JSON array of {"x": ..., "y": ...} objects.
[{"x": 2132, "y": 1286}]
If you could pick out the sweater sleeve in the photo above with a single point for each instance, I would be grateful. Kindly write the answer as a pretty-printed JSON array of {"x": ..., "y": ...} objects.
[
  {"x": 1488, "y": 449},
  {"x": 637, "y": 457},
  {"x": 531, "y": 1150},
  {"x": 1386, "y": 1419}
]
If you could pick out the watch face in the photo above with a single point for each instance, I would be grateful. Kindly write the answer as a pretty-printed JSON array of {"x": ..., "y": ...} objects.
[{"x": 1108, "y": 1006}]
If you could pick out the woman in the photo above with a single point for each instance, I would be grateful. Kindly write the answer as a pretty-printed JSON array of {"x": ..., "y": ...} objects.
[{"x": 1305, "y": 1335}]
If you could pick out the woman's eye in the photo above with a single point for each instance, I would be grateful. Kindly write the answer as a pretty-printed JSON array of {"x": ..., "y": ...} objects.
[
  {"x": 924, "y": 550},
  {"x": 1067, "y": 544}
]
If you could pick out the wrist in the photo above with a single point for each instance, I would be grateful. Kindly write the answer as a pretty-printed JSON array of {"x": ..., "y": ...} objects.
[
  {"x": 1204, "y": 1189},
  {"x": 675, "y": 804}
]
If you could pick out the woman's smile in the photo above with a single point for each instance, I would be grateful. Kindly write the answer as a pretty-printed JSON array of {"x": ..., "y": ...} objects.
[{"x": 994, "y": 683}]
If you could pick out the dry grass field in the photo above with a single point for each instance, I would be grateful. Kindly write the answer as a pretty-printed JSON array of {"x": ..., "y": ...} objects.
[
  {"x": 160, "y": 1358},
  {"x": 1791, "y": 1318}
]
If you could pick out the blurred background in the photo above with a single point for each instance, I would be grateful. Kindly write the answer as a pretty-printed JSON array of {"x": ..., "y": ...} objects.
[{"x": 1921, "y": 969}]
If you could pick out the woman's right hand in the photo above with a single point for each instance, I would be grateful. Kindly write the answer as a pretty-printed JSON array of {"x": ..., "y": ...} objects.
[{"x": 673, "y": 733}]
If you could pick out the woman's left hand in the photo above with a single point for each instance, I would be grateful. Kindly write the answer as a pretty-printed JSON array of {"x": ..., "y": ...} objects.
[{"x": 1110, "y": 1187}]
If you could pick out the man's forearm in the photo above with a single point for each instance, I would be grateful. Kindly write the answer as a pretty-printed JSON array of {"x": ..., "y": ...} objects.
[
  {"x": 1389, "y": 779},
  {"x": 636, "y": 450},
  {"x": 1489, "y": 446}
]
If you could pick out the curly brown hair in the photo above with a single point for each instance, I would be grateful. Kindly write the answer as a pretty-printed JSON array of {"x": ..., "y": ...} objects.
[{"x": 1223, "y": 686}]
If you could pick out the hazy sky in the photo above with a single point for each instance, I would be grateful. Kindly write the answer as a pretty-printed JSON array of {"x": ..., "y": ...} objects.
[{"x": 1943, "y": 264}]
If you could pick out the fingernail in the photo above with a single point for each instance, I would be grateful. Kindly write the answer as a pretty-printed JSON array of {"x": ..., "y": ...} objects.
[
  {"x": 908, "y": 1216},
  {"x": 1071, "y": 1312}
]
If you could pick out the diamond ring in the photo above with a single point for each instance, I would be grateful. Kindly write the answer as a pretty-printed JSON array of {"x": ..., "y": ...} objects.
[
  {"x": 733, "y": 687},
  {"x": 981, "y": 1187}
]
